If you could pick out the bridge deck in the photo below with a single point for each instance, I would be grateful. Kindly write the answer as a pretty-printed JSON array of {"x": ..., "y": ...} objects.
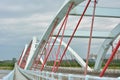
[{"x": 109, "y": 72}]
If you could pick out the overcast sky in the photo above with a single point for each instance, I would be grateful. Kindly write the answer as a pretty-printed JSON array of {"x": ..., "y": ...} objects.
[{"x": 20, "y": 20}]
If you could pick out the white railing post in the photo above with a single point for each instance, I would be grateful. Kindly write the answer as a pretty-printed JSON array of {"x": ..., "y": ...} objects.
[
  {"x": 87, "y": 77},
  {"x": 59, "y": 76},
  {"x": 70, "y": 77},
  {"x": 43, "y": 75},
  {"x": 118, "y": 78},
  {"x": 52, "y": 75},
  {"x": 47, "y": 75}
]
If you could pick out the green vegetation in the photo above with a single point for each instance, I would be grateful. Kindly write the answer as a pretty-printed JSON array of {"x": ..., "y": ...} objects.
[
  {"x": 115, "y": 64},
  {"x": 65, "y": 63},
  {"x": 9, "y": 64},
  {"x": 6, "y": 65}
]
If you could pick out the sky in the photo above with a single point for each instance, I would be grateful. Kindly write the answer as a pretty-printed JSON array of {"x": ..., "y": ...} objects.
[{"x": 20, "y": 20}]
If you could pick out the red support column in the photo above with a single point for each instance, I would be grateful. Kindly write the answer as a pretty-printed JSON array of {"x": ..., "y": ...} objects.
[
  {"x": 54, "y": 42},
  {"x": 58, "y": 50},
  {"x": 50, "y": 36},
  {"x": 73, "y": 34},
  {"x": 90, "y": 39},
  {"x": 24, "y": 60},
  {"x": 18, "y": 63},
  {"x": 110, "y": 59},
  {"x": 47, "y": 42}
]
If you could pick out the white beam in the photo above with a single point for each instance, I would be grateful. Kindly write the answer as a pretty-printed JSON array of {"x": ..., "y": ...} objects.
[
  {"x": 100, "y": 12},
  {"x": 23, "y": 54},
  {"x": 31, "y": 53},
  {"x": 86, "y": 34},
  {"x": 60, "y": 15}
]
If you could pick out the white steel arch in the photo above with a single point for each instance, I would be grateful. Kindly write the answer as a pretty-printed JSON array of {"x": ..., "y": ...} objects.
[
  {"x": 60, "y": 15},
  {"x": 105, "y": 46},
  {"x": 23, "y": 54},
  {"x": 32, "y": 50}
]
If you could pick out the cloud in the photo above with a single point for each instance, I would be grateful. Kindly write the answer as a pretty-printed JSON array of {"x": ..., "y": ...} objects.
[
  {"x": 25, "y": 8},
  {"x": 20, "y": 20},
  {"x": 37, "y": 17},
  {"x": 100, "y": 23},
  {"x": 20, "y": 27},
  {"x": 11, "y": 8}
]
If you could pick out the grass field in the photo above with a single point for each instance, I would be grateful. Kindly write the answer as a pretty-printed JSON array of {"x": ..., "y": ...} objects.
[
  {"x": 115, "y": 64},
  {"x": 9, "y": 64},
  {"x": 6, "y": 65}
]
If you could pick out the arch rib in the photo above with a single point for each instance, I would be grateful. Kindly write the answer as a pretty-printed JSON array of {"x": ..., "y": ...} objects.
[
  {"x": 31, "y": 53},
  {"x": 22, "y": 55},
  {"x": 105, "y": 46},
  {"x": 61, "y": 13}
]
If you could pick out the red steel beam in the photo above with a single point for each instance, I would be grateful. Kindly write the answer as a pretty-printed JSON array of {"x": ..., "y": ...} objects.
[
  {"x": 18, "y": 63},
  {"x": 47, "y": 42},
  {"x": 58, "y": 50},
  {"x": 90, "y": 39},
  {"x": 42, "y": 67},
  {"x": 24, "y": 60},
  {"x": 110, "y": 59},
  {"x": 73, "y": 34}
]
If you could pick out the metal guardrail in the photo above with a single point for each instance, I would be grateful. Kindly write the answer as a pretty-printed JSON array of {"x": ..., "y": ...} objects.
[
  {"x": 9, "y": 76},
  {"x": 44, "y": 75},
  {"x": 22, "y": 74},
  {"x": 79, "y": 71}
]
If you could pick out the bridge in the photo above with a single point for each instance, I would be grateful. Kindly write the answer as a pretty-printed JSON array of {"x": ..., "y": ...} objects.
[{"x": 48, "y": 58}]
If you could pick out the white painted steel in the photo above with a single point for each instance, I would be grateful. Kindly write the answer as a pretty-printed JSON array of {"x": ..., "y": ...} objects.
[
  {"x": 86, "y": 34},
  {"x": 23, "y": 54},
  {"x": 19, "y": 73},
  {"x": 100, "y": 12},
  {"x": 31, "y": 53},
  {"x": 60, "y": 15},
  {"x": 10, "y": 76},
  {"x": 76, "y": 56},
  {"x": 45, "y": 75},
  {"x": 105, "y": 46}
]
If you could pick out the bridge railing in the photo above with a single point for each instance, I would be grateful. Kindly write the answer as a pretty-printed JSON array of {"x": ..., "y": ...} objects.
[
  {"x": 9, "y": 76},
  {"x": 44, "y": 75},
  {"x": 22, "y": 74}
]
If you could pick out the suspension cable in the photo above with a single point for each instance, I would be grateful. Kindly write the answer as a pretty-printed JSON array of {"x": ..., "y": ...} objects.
[
  {"x": 50, "y": 38},
  {"x": 47, "y": 42},
  {"x": 55, "y": 40},
  {"x": 90, "y": 39},
  {"x": 58, "y": 51},
  {"x": 73, "y": 34}
]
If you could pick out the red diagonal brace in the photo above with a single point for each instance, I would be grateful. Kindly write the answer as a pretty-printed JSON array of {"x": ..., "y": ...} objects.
[
  {"x": 73, "y": 34},
  {"x": 54, "y": 40},
  {"x": 90, "y": 39},
  {"x": 58, "y": 50},
  {"x": 18, "y": 63},
  {"x": 110, "y": 59},
  {"x": 24, "y": 60}
]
